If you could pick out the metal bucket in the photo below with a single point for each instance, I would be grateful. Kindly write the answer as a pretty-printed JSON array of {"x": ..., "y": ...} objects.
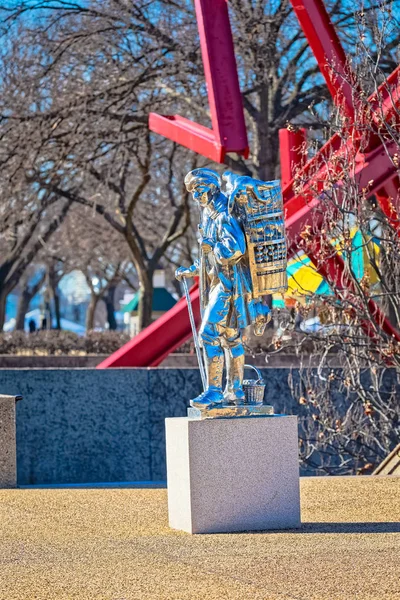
[{"x": 254, "y": 388}]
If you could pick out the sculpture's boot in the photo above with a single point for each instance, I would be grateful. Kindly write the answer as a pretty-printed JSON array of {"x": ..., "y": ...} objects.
[
  {"x": 233, "y": 393},
  {"x": 214, "y": 363}
]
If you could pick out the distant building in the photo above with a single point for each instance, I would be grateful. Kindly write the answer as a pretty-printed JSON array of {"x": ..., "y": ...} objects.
[{"x": 163, "y": 300}]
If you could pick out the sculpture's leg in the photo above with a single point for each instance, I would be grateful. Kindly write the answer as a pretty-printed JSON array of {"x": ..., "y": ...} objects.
[
  {"x": 214, "y": 364},
  {"x": 212, "y": 331},
  {"x": 234, "y": 353}
]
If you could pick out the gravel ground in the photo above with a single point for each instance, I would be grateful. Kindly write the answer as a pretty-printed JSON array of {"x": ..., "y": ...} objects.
[{"x": 115, "y": 544}]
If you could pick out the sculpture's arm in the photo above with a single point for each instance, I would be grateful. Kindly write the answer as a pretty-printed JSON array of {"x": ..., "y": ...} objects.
[
  {"x": 231, "y": 243},
  {"x": 191, "y": 271}
]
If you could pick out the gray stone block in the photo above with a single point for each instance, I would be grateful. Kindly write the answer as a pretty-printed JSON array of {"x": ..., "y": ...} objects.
[
  {"x": 8, "y": 451},
  {"x": 234, "y": 474}
]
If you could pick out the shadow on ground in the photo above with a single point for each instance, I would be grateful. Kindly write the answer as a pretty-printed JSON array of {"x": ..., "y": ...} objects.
[
  {"x": 383, "y": 527},
  {"x": 91, "y": 486},
  {"x": 378, "y": 527}
]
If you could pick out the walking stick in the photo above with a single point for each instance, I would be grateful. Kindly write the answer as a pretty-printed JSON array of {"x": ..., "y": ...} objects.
[{"x": 195, "y": 336}]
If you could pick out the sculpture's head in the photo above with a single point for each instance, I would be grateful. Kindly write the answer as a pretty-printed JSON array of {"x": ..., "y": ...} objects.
[{"x": 203, "y": 184}]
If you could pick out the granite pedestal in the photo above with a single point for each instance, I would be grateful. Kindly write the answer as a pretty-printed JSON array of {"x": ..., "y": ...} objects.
[
  {"x": 8, "y": 450},
  {"x": 233, "y": 474}
]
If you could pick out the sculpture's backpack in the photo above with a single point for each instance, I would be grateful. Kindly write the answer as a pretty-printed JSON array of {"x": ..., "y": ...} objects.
[{"x": 259, "y": 207}]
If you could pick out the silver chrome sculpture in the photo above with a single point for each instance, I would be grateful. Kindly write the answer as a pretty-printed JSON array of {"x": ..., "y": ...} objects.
[{"x": 242, "y": 259}]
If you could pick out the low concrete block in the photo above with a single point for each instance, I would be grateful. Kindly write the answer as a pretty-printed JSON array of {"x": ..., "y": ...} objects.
[
  {"x": 8, "y": 451},
  {"x": 237, "y": 474}
]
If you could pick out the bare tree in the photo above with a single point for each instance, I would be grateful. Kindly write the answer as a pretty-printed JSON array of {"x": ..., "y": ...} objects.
[
  {"x": 87, "y": 244},
  {"x": 27, "y": 224},
  {"x": 85, "y": 128},
  {"x": 352, "y": 417}
]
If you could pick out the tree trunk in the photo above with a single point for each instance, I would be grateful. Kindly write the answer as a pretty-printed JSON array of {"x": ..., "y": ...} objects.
[
  {"x": 57, "y": 312},
  {"x": 268, "y": 139},
  {"x": 91, "y": 309},
  {"x": 268, "y": 157},
  {"x": 23, "y": 306},
  {"x": 146, "y": 299},
  {"x": 110, "y": 307},
  {"x": 3, "y": 301},
  {"x": 27, "y": 294},
  {"x": 53, "y": 285}
]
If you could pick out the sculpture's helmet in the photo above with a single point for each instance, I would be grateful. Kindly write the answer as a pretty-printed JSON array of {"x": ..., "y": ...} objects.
[{"x": 206, "y": 176}]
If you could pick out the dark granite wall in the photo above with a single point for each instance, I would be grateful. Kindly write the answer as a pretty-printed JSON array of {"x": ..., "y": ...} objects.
[{"x": 90, "y": 426}]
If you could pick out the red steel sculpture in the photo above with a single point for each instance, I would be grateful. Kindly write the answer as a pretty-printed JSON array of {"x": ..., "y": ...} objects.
[{"x": 228, "y": 134}]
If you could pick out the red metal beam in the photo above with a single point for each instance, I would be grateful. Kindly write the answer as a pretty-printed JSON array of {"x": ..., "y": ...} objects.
[
  {"x": 221, "y": 74},
  {"x": 228, "y": 133},
  {"x": 196, "y": 137},
  {"x": 291, "y": 152},
  {"x": 328, "y": 51}
]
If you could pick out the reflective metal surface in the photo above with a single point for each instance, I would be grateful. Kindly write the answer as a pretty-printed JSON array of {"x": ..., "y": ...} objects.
[
  {"x": 242, "y": 258},
  {"x": 225, "y": 412},
  {"x": 260, "y": 208}
]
